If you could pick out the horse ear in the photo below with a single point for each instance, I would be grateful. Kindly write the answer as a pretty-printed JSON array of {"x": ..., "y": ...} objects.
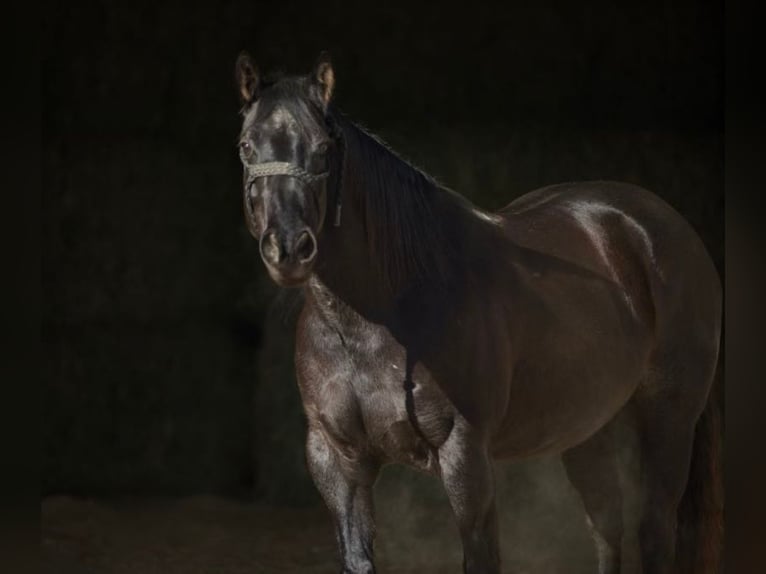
[
  {"x": 323, "y": 80},
  {"x": 247, "y": 78}
]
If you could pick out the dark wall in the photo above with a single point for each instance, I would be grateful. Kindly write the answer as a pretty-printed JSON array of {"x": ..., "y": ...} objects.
[{"x": 167, "y": 366}]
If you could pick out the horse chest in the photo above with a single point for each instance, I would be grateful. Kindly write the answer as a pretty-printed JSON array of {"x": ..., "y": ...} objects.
[{"x": 368, "y": 401}]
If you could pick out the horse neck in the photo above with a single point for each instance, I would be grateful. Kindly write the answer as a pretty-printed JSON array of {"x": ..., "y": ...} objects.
[{"x": 402, "y": 241}]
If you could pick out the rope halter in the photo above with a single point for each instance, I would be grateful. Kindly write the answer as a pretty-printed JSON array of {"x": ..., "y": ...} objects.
[
  {"x": 284, "y": 168},
  {"x": 270, "y": 168}
]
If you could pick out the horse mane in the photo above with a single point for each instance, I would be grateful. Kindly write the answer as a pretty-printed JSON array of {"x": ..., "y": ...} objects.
[{"x": 409, "y": 234}]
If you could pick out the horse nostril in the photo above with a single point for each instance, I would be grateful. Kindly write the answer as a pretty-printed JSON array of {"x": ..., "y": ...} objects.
[
  {"x": 305, "y": 247},
  {"x": 270, "y": 247}
]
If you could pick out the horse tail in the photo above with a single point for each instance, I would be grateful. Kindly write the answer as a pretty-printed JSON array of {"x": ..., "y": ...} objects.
[{"x": 700, "y": 512}]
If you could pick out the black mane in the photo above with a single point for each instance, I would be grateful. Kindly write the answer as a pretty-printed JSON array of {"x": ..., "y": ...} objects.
[{"x": 413, "y": 225}]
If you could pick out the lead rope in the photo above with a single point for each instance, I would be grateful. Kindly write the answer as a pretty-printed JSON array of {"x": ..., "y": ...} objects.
[{"x": 339, "y": 188}]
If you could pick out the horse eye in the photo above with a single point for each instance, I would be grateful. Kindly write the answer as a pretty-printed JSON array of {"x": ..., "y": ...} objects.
[
  {"x": 245, "y": 150},
  {"x": 323, "y": 148}
]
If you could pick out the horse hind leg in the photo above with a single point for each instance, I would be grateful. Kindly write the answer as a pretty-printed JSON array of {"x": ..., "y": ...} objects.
[
  {"x": 665, "y": 457},
  {"x": 593, "y": 471},
  {"x": 667, "y": 417}
]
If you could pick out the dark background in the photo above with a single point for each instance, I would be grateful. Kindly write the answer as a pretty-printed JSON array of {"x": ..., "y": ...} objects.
[{"x": 167, "y": 357}]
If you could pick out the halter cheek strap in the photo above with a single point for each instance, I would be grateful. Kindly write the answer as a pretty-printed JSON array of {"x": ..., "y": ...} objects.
[{"x": 340, "y": 141}]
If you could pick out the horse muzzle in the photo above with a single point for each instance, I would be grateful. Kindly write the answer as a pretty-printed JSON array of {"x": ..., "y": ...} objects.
[{"x": 289, "y": 256}]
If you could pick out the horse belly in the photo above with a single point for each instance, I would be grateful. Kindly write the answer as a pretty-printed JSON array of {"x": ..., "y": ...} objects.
[{"x": 568, "y": 389}]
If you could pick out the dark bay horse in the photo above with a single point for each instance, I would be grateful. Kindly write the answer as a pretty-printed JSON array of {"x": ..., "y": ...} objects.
[{"x": 441, "y": 336}]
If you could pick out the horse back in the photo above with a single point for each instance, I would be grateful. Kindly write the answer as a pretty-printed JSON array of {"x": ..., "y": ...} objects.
[{"x": 620, "y": 232}]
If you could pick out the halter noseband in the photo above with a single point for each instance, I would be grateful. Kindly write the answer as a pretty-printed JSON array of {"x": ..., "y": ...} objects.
[{"x": 284, "y": 168}]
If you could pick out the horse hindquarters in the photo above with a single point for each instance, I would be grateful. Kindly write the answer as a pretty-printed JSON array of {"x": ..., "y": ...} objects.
[{"x": 676, "y": 403}]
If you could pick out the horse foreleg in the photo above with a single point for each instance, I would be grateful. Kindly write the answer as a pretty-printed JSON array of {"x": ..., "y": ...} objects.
[
  {"x": 468, "y": 478},
  {"x": 346, "y": 487}
]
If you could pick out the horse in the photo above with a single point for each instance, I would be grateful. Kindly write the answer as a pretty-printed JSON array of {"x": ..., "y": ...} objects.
[{"x": 436, "y": 334}]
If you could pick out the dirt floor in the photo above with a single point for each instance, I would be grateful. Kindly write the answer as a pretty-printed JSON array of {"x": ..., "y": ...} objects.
[
  {"x": 210, "y": 535},
  {"x": 541, "y": 523},
  {"x": 193, "y": 536}
]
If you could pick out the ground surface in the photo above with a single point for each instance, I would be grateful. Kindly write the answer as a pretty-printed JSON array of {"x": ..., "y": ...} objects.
[{"x": 541, "y": 522}]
